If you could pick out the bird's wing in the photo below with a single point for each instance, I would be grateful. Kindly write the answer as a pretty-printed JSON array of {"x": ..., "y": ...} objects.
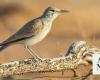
[{"x": 29, "y": 30}]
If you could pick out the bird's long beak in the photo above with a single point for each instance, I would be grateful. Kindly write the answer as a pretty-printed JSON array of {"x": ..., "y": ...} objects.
[{"x": 64, "y": 11}]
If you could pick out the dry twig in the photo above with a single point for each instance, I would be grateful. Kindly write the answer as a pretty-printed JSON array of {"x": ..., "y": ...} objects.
[{"x": 79, "y": 53}]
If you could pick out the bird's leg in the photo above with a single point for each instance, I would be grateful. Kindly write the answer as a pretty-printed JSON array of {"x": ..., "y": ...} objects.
[{"x": 32, "y": 53}]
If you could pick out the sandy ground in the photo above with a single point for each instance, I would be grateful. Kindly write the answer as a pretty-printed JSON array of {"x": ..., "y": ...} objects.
[{"x": 81, "y": 23}]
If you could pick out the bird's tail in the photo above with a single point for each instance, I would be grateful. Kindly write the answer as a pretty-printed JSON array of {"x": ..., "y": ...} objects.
[{"x": 2, "y": 47}]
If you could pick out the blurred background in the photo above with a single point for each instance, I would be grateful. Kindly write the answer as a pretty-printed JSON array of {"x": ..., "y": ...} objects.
[{"x": 81, "y": 23}]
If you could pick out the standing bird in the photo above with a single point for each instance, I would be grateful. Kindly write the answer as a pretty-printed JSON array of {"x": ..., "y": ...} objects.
[{"x": 33, "y": 31}]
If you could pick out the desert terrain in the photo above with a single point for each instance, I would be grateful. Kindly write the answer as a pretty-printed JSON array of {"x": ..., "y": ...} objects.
[{"x": 81, "y": 23}]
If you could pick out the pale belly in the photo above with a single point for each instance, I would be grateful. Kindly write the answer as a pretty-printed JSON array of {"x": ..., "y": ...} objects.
[{"x": 39, "y": 37}]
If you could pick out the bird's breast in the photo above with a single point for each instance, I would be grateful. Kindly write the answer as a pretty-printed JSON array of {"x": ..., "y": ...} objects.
[{"x": 39, "y": 36}]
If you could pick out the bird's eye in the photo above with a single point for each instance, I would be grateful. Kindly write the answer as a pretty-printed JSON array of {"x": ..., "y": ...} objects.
[{"x": 52, "y": 10}]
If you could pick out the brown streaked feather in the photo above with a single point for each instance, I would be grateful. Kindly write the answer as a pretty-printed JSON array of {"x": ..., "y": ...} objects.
[{"x": 28, "y": 30}]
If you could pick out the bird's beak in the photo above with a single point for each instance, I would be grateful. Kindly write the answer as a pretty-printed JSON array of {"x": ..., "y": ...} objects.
[{"x": 64, "y": 11}]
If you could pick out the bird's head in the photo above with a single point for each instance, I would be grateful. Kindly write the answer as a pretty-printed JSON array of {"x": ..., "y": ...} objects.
[{"x": 53, "y": 12}]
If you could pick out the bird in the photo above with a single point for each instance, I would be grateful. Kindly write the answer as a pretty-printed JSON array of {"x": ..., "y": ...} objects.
[{"x": 33, "y": 31}]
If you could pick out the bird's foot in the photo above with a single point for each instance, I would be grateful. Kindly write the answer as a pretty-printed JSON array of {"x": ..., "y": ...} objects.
[
  {"x": 39, "y": 59},
  {"x": 36, "y": 58}
]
